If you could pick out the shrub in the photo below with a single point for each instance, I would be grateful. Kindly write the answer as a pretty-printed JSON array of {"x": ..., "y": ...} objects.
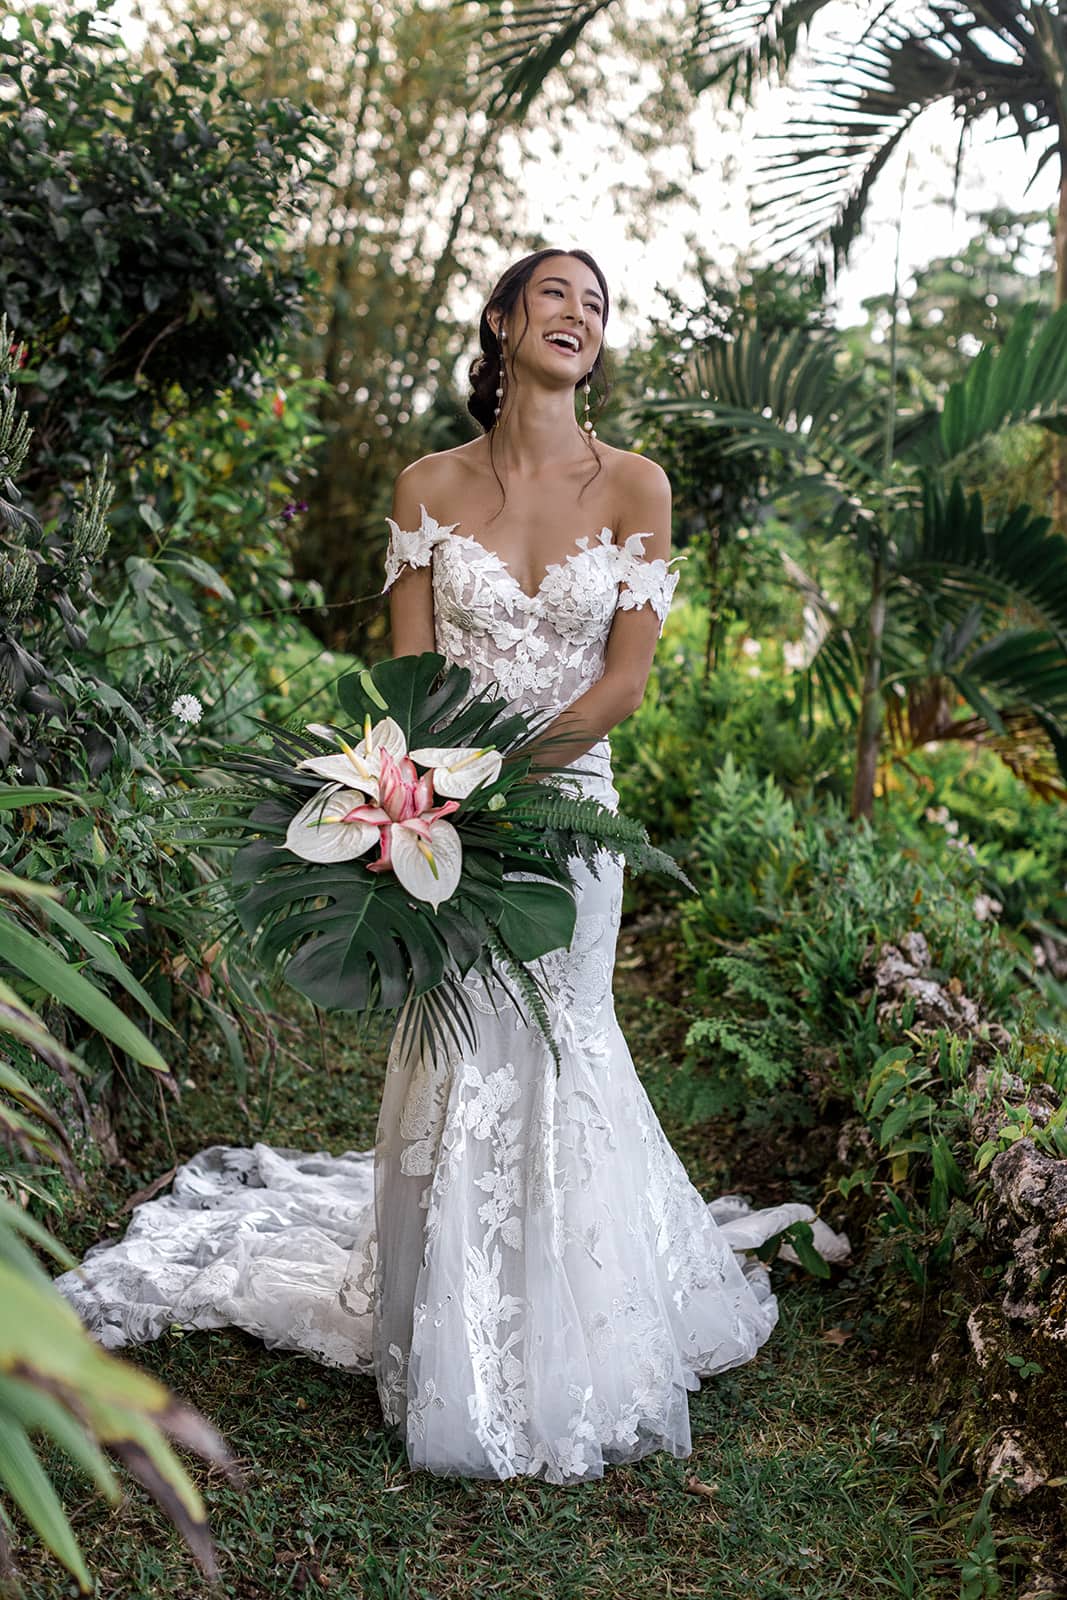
[
  {"x": 792, "y": 904},
  {"x": 141, "y": 246}
]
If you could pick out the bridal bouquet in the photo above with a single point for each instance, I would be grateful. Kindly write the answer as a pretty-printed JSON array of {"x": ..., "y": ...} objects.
[{"x": 393, "y": 855}]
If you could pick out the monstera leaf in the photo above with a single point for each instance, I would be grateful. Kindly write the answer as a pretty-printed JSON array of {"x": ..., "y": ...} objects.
[{"x": 429, "y": 699}]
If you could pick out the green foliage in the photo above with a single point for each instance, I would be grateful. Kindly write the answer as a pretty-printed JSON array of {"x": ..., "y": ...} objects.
[
  {"x": 1017, "y": 839},
  {"x": 105, "y": 697},
  {"x": 955, "y": 303},
  {"x": 919, "y": 1103},
  {"x": 938, "y": 623},
  {"x": 668, "y": 754},
  {"x": 793, "y": 903},
  {"x": 142, "y": 220},
  {"x": 715, "y": 491},
  {"x": 56, "y": 1381}
]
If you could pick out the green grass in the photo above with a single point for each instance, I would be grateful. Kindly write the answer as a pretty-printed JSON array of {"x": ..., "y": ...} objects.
[{"x": 815, "y": 1472}]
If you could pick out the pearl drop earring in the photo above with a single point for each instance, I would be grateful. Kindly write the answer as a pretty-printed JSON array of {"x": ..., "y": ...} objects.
[
  {"x": 500, "y": 385},
  {"x": 588, "y": 424}
]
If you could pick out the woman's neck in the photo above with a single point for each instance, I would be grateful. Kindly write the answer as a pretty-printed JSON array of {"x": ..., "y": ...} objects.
[{"x": 537, "y": 431}]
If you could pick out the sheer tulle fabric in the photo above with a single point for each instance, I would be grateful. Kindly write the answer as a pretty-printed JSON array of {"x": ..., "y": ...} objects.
[{"x": 521, "y": 1263}]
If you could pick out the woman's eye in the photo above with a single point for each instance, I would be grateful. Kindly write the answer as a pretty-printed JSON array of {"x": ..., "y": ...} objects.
[{"x": 560, "y": 293}]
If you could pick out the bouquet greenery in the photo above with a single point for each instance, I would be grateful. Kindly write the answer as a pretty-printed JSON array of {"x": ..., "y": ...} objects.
[{"x": 386, "y": 865}]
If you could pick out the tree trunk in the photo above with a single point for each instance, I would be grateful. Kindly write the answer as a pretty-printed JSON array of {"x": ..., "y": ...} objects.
[
  {"x": 870, "y": 718},
  {"x": 711, "y": 653},
  {"x": 1059, "y": 488}
]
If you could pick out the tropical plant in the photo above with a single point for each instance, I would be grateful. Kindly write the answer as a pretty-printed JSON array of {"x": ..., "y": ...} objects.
[
  {"x": 715, "y": 496},
  {"x": 55, "y": 1380},
  {"x": 959, "y": 605},
  {"x": 142, "y": 230},
  {"x": 779, "y": 945},
  {"x": 36, "y": 958}
]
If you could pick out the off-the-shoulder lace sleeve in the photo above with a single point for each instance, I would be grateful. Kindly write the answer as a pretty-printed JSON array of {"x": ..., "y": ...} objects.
[
  {"x": 412, "y": 547},
  {"x": 644, "y": 582}
]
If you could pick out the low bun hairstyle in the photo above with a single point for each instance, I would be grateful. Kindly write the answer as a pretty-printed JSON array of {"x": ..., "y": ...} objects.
[{"x": 485, "y": 369}]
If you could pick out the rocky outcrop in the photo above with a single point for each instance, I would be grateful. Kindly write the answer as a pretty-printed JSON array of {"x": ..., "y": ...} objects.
[{"x": 1002, "y": 1368}]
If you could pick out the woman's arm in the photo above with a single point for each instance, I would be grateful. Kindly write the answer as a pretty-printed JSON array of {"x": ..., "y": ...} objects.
[
  {"x": 411, "y": 596},
  {"x": 634, "y": 634}
]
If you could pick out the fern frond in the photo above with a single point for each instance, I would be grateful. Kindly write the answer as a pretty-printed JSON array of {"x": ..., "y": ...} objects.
[
  {"x": 581, "y": 826},
  {"x": 527, "y": 986}
]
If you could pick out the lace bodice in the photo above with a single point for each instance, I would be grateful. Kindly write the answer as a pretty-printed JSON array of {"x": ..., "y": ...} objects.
[{"x": 546, "y": 649}]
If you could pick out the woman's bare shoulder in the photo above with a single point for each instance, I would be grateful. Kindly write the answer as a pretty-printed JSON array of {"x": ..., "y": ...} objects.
[
  {"x": 440, "y": 469},
  {"x": 634, "y": 471},
  {"x": 431, "y": 481}
]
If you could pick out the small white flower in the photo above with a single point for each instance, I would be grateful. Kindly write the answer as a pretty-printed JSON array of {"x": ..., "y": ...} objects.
[
  {"x": 187, "y": 707},
  {"x": 751, "y": 647},
  {"x": 985, "y": 907},
  {"x": 794, "y": 654}
]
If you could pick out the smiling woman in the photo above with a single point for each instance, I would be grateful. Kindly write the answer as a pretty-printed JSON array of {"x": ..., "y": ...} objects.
[{"x": 522, "y": 1261}]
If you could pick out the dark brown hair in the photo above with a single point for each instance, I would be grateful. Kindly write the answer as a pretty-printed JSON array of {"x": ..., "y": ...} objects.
[{"x": 488, "y": 369}]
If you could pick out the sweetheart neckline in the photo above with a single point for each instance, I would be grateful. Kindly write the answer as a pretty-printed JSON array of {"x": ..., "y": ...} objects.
[{"x": 581, "y": 548}]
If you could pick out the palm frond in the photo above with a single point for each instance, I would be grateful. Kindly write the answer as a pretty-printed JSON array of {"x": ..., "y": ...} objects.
[
  {"x": 784, "y": 390},
  {"x": 738, "y": 44},
  {"x": 1019, "y": 563},
  {"x": 834, "y": 676},
  {"x": 863, "y": 100},
  {"x": 521, "y": 44},
  {"x": 1024, "y": 381},
  {"x": 438, "y": 1024},
  {"x": 506, "y": 965},
  {"x": 1023, "y": 666}
]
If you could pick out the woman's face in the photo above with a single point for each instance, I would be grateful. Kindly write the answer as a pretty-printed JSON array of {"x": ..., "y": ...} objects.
[{"x": 566, "y": 309}]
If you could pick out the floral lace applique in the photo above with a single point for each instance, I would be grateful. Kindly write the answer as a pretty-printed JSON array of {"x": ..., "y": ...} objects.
[
  {"x": 414, "y": 547},
  {"x": 645, "y": 582},
  {"x": 545, "y": 649}
]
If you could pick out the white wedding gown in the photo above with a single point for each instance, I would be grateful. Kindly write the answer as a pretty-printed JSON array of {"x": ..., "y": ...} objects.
[{"x": 521, "y": 1263}]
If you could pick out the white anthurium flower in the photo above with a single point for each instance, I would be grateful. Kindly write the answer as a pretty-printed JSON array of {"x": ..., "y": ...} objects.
[
  {"x": 457, "y": 770},
  {"x": 427, "y": 860},
  {"x": 319, "y": 831},
  {"x": 358, "y": 766}
]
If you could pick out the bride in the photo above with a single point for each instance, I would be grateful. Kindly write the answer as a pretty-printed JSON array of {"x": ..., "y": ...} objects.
[{"x": 521, "y": 1263}]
